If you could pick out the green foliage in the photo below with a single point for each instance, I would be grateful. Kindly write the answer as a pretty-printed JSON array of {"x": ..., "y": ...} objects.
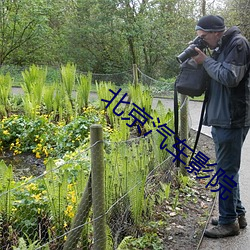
[
  {"x": 103, "y": 36},
  {"x": 127, "y": 161},
  {"x": 165, "y": 190},
  {"x": 33, "y": 85},
  {"x": 126, "y": 172},
  {"x": 29, "y": 245},
  {"x": 68, "y": 74},
  {"x": 147, "y": 241},
  {"x": 57, "y": 188},
  {"x": 23, "y": 25},
  {"x": 176, "y": 199},
  {"x": 141, "y": 96},
  {"x": 48, "y": 98},
  {"x": 6, "y": 184},
  {"x": 43, "y": 137},
  {"x": 164, "y": 116},
  {"x": 30, "y": 206},
  {"x": 83, "y": 91},
  {"x": 5, "y": 90},
  {"x": 103, "y": 91}
]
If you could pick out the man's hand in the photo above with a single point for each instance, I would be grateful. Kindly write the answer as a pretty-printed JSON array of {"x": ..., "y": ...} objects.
[{"x": 200, "y": 58}]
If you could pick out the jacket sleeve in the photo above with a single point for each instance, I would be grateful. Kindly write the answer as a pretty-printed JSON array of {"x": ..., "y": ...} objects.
[{"x": 232, "y": 69}]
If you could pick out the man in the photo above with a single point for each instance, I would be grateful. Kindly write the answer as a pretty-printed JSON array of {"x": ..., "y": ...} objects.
[{"x": 227, "y": 111}]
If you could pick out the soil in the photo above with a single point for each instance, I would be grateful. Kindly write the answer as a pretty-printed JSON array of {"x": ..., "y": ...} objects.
[
  {"x": 186, "y": 225},
  {"x": 25, "y": 164}
]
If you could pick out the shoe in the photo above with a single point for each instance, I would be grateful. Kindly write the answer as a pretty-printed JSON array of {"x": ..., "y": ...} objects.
[
  {"x": 221, "y": 230},
  {"x": 241, "y": 219}
]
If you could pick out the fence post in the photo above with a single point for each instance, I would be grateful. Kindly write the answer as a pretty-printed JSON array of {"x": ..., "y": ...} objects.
[
  {"x": 98, "y": 195},
  {"x": 183, "y": 128},
  {"x": 135, "y": 74}
]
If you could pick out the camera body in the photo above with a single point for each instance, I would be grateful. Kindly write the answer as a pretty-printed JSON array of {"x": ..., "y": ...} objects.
[{"x": 190, "y": 51}]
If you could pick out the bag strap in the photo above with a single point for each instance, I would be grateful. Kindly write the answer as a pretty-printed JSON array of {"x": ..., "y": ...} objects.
[
  {"x": 200, "y": 125},
  {"x": 176, "y": 122}
]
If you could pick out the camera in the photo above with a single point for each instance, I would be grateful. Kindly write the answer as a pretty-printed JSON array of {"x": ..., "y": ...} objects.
[{"x": 190, "y": 51}]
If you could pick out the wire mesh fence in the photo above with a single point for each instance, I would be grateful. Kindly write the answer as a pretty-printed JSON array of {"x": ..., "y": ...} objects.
[
  {"x": 160, "y": 87},
  {"x": 56, "y": 209}
]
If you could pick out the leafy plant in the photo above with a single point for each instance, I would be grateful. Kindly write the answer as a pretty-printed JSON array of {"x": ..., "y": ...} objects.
[
  {"x": 22, "y": 245},
  {"x": 141, "y": 96},
  {"x": 147, "y": 241},
  {"x": 30, "y": 208},
  {"x": 83, "y": 90},
  {"x": 165, "y": 190},
  {"x": 34, "y": 81},
  {"x": 103, "y": 91},
  {"x": 6, "y": 184},
  {"x": 176, "y": 199},
  {"x": 48, "y": 98},
  {"x": 68, "y": 74},
  {"x": 5, "y": 90},
  {"x": 160, "y": 116}
]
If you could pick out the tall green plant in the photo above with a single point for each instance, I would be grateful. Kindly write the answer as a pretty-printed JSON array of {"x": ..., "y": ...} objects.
[
  {"x": 83, "y": 90},
  {"x": 33, "y": 85},
  {"x": 5, "y": 90},
  {"x": 56, "y": 185},
  {"x": 6, "y": 184},
  {"x": 68, "y": 74},
  {"x": 104, "y": 93},
  {"x": 48, "y": 98},
  {"x": 62, "y": 106},
  {"x": 164, "y": 117},
  {"x": 126, "y": 171},
  {"x": 141, "y": 96}
]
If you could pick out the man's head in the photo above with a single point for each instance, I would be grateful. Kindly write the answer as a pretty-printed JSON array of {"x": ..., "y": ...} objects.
[{"x": 211, "y": 29}]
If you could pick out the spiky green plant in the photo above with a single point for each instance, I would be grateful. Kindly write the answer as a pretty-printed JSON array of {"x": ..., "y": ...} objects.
[
  {"x": 5, "y": 90},
  {"x": 141, "y": 96},
  {"x": 126, "y": 171},
  {"x": 103, "y": 91},
  {"x": 165, "y": 190},
  {"x": 6, "y": 184},
  {"x": 62, "y": 106},
  {"x": 48, "y": 97},
  {"x": 68, "y": 74},
  {"x": 176, "y": 199},
  {"x": 56, "y": 185},
  {"x": 161, "y": 116},
  {"x": 83, "y": 90},
  {"x": 33, "y": 85}
]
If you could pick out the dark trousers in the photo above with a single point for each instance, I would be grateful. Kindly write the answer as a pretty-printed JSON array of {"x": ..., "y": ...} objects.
[{"x": 228, "y": 145}]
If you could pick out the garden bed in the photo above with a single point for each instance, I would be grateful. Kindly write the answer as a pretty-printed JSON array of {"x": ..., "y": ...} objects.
[{"x": 177, "y": 222}]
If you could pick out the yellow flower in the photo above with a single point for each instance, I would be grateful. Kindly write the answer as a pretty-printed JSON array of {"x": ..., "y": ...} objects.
[
  {"x": 31, "y": 186},
  {"x": 6, "y": 132},
  {"x": 73, "y": 199},
  {"x": 37, "y": 196},
  {"x": 69, "y": 211},
  {"x": 14, "y": 209},
  {"x": 38, "y": 156}
]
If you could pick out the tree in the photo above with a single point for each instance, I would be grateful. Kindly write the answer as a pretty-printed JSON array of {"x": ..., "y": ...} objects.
[
  {"x": 237, "y": 12},
  {"x": 21, "y": 21}
]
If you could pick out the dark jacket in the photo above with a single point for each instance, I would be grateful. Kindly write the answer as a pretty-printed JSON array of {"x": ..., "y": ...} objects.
[{"x": 229, "y": 91}]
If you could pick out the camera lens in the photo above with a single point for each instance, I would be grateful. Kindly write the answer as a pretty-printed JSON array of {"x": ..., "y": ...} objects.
[{"x": 187, "y": 53}]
